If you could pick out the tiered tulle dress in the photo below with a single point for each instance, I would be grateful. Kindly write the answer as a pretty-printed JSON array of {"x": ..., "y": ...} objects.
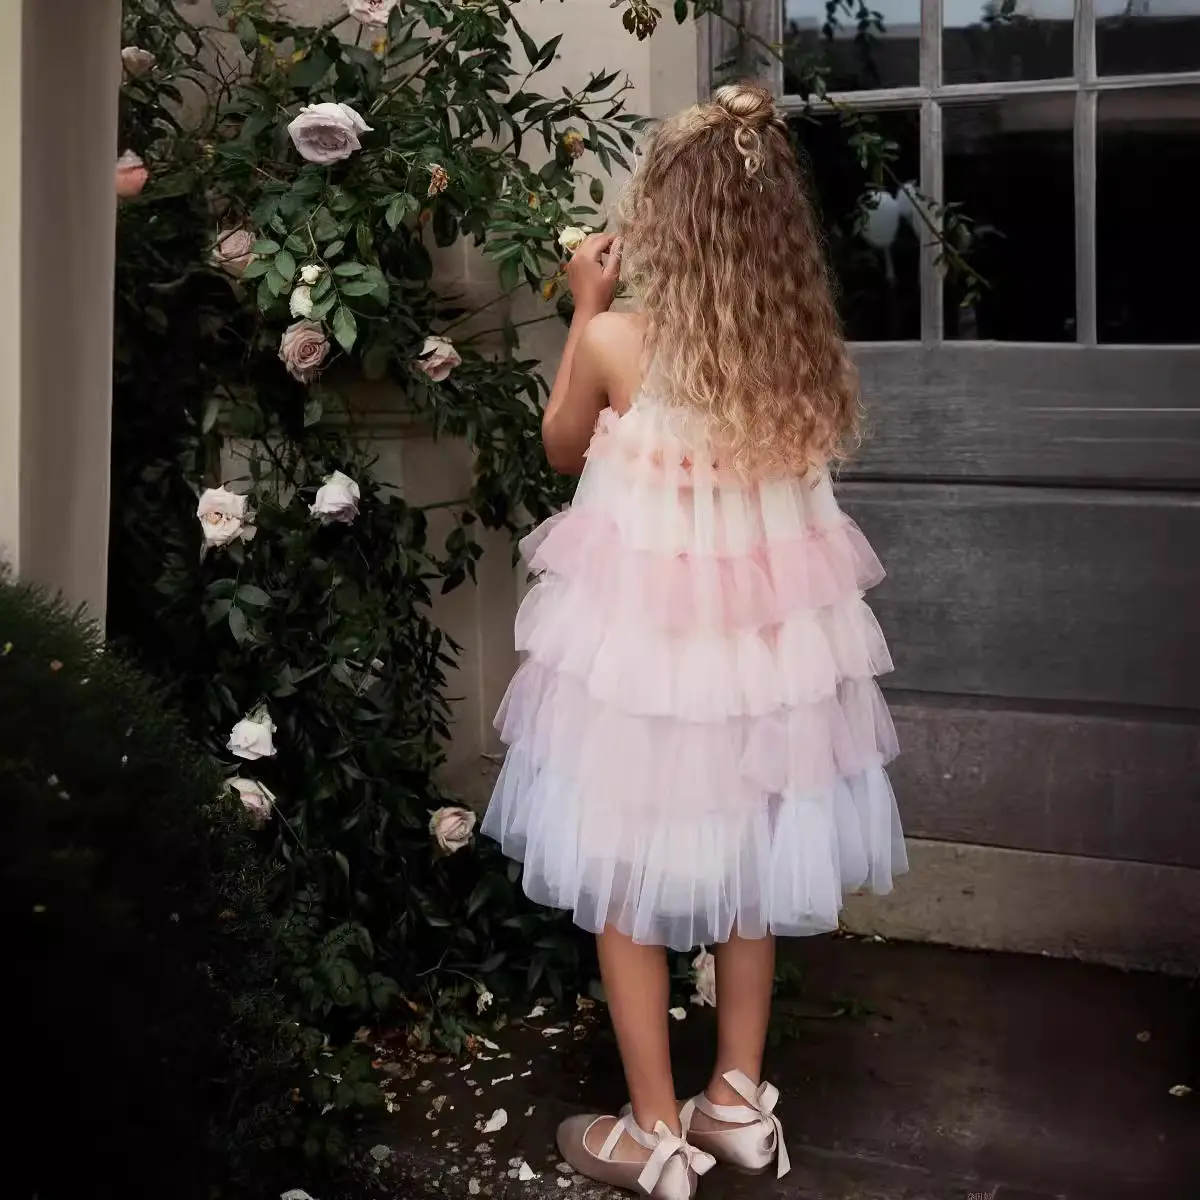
[{"x": 696, "y": 741}]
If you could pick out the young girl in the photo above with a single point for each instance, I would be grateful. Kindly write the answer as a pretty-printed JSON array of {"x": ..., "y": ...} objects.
[{"x": 696, "y": 739}]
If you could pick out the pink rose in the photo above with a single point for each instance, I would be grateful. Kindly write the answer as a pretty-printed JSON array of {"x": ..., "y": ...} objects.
[
  {"x": 131, "y": 175},
  {"x": 327, "y": 133},
  {"x": 451, "y": 827},
  {"x": 303, "y": 349},
  {"x": 438, "y": 358},
  {"x": 233, "y": 252},
  {"x": 137, "y": 62}
]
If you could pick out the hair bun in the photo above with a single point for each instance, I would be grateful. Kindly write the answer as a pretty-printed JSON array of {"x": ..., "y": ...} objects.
[{"x": 746, "y": 102}]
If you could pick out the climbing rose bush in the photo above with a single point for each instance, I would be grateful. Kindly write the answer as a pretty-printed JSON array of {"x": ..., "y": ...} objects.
[{"x": 286, "y": 191}]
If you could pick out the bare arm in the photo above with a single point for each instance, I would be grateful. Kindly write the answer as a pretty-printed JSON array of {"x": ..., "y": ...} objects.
[{"x": 579, "y": 393}]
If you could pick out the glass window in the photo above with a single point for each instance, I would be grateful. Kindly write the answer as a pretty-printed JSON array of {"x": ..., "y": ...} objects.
[
  {"x": 1147, "y": 253},
  {"x": 1007, "y": 40},
  {"x": 1009, "y": 164},
  {"x": 1135, "y": 37},
  {"x": 873, "y": 248},
  {"x": 862, "y": 47}
]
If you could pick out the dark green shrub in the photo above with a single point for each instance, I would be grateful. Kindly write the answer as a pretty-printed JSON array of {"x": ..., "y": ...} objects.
[{"x": 151, "y": 1057}]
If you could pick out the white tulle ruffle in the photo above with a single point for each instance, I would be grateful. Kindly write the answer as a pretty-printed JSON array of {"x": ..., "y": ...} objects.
[{"x": 696, "y": 739}]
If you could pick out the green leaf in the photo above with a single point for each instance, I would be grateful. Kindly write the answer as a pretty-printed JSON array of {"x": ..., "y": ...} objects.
[
  {"x": 358, "y": 287},
  {"x": 238, "y": 626},
  {"x": 266, "y": 247},
  {"x": 313, "y": 409},
  {"x": 309, "y": 71},
  {"x": 681, "y": 11},
  {"x": 345, "y": 328},
  {"x": 259, "y": 267},
  {"x": 527, "y": 44},
  {"x": 334, "y": 248},
  {"x": 249, "y": 594},
  {"x": 596, "y": 191},
  {"x": 247, "y": 34},
  {"x": 395, "y": 212},
  {"x": 212, "y": 410},
  {"x": 347, "y": 269},
  {"x": 547, "y": 52},
  {"x": 285, "y": 264}
]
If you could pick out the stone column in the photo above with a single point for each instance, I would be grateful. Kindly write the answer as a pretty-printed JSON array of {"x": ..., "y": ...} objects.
[{"x": 60, "y": 79}]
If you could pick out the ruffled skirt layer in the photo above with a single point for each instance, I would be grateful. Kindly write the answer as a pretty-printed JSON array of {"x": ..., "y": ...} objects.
[{"x": 696, "y": 739}]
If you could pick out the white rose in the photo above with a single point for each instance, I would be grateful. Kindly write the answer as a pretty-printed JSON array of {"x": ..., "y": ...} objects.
[
  {"x": 371, "y": 12},
  {"x": 451, "y": 827},
  {"x": 327, "y": 133},
  {"x": 224, "y": 517},
  {"x": 302, "y": 349},
  {"x": 438, "y": 358},
  {"x": 256, "y": 798},
  {"x": 704, "y": 971},
  {"x": 251, "y": 736},
  {"x": 310, "y": 273},
  {"x": 573, "y": 237},
  {"x": 337, "y": 499},
  {"x": 234, "y": 251},
  {"x": 301, "y": 302},
  {"x": 137, "y": 62}
]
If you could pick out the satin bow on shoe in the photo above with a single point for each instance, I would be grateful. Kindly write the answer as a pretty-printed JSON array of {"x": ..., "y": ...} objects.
[
  {"x": 763, "y": 1100},
  {"x": 667, "y": 1147},
  {"x": 728, "y": 1143}
]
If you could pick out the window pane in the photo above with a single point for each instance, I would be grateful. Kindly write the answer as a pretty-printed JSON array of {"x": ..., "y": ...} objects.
[
  {"x": 862, "y": 47},
  {"x": 1028, "y": 39},
  {"x": 877, "y": 268},
  {"x": 1135, "y": 37},
  {"x": 1009, "y": 164},
  {"x": 1146, "y": 253}
]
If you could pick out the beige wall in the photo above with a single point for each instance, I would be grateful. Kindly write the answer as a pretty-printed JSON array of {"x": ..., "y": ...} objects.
[{"x": 57, "y": 217}]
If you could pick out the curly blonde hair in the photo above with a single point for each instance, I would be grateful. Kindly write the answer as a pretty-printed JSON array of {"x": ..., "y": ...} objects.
[{"x": 722, "y": 249}]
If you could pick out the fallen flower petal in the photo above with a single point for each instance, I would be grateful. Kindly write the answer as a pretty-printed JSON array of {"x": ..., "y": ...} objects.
[
  {"x": 496, "y": 1121},
  {"x": 1181, "y": 1089},
  {"x": 680, "y": 1014}
]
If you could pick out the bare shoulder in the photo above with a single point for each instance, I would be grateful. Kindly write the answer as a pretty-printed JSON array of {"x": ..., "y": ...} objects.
[{"x": 613, "y": 342}]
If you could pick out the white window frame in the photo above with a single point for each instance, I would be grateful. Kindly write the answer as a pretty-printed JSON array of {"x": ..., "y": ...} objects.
[{"x": 764, "y": 19}]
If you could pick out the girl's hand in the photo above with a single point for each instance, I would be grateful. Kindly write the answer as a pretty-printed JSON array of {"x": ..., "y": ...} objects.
[{"x": 594, "y": 272}]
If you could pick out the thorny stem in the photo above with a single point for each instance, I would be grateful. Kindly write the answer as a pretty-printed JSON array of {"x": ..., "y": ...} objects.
[{"x": 405, "y": 80}]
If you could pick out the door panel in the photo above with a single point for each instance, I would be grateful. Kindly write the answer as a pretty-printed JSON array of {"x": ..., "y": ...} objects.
[{"x": 1113, "y": 415}]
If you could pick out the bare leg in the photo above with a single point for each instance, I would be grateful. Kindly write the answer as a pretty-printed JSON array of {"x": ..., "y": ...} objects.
[
  {"x": 637, "y": 989},
  {"x": 745, "y": 981}
]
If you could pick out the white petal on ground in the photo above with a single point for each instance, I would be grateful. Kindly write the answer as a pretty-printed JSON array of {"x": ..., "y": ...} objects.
[
  {"x": 525, "y": 1173},
  {"x": 496, "y": 1121},
  {"x": 295, "y": 1194},
  {"x": 536, "y": 1011},
  {"x": 473, "y": 1187},
  {"x": 680, "y": 1014},
  {"x": 1181, "y": 1089},
  {"x": 489, "y": 1045},
  {"x": 563, "y": 1182}
]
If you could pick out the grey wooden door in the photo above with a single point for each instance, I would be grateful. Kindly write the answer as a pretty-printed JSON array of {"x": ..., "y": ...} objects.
[{"x": 1031, "y": 472}]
